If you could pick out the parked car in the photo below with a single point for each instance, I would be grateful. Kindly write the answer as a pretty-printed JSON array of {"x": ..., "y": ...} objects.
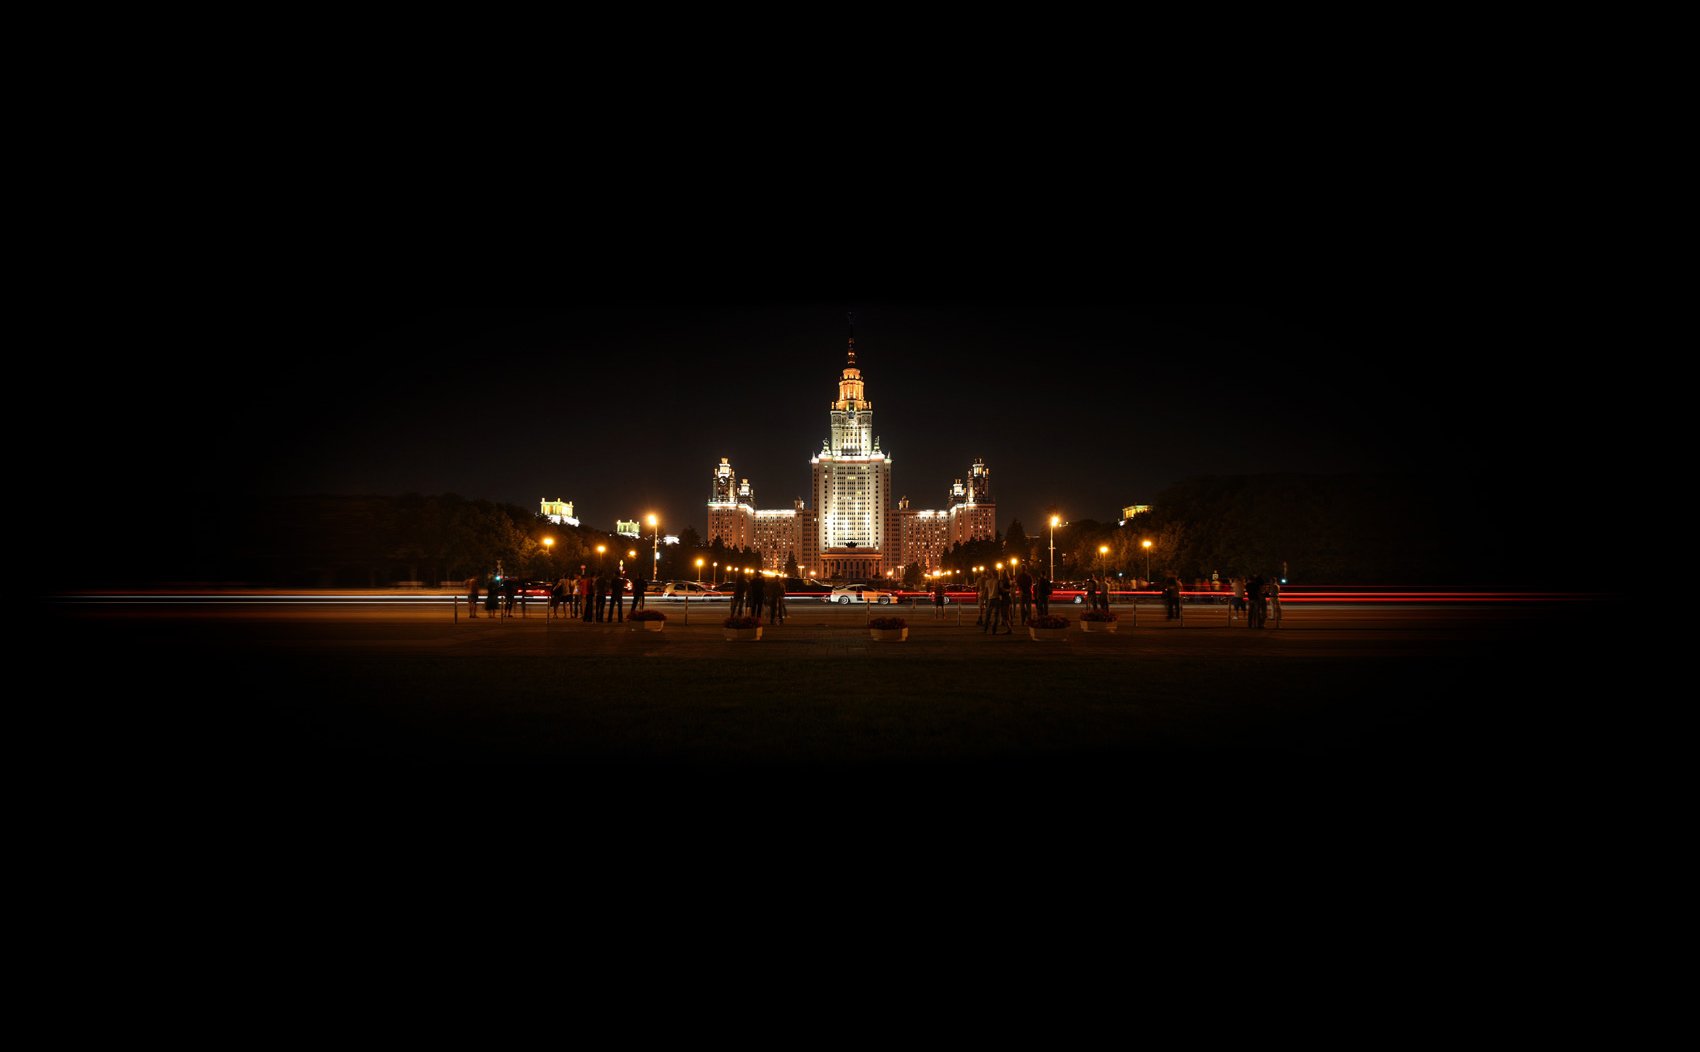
[
  {"x": 529, "y": 590},
  {"x": 692, "y": 590},
  {"x": 1068, "y": 592},
  {"x": 923, "y": 597},
  {"x": 806, "y": 586},
  {"x": 855, "y": 593}
]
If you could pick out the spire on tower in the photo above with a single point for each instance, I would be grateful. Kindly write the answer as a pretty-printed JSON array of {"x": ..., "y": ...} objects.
[{"x": 851, "y": 318}]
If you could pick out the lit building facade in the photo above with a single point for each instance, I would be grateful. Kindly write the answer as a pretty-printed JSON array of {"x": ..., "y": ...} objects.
[
  {"x": 855, "y": 529},
  {"x": 924, "y": 535},
  {"x": 851, "y": 483},
  {"x": 730, "y": 514},
  {"x": 559, "y": 512},
  {"x": 973, "y": 511}
]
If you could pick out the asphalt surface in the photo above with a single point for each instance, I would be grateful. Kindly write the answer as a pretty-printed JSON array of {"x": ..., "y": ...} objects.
[{"x": 1400, "y": 702}]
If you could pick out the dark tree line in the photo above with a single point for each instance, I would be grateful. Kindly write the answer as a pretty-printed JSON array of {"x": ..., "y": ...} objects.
[
  {"x": 1391, "y": 529},
  {"x": 1322, "y": 529},
  {"x": 366, "y": 542}
]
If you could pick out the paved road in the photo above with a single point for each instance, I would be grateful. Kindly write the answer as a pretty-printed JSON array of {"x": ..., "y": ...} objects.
[{"x": 1376, "y": 715}]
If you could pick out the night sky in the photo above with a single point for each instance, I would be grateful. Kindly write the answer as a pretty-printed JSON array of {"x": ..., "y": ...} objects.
[{"x": 624, "y": 405}]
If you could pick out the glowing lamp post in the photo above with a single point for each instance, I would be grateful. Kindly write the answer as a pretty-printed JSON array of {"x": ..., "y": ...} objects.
[
  {"x": 1147, "y": 546},
  {"x": 601, "y": 550},
  {"x": 1055, "y": 520},
  {"x": 699, "y": 571},
  {"x": 655, "y": 542}
]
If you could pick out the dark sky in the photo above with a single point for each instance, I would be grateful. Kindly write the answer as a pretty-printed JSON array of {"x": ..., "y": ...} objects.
[{"x": 624, "y": 404}]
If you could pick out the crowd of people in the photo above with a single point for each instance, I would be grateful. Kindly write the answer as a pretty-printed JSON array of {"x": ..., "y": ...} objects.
[
  {"x": 1255, "y": 597},
  {"x": 600, "y": 596},
  {"x": 1007, "y": 598},
  {"x": 751, "y": 593},
  {"x": 1010, "y": 598}
]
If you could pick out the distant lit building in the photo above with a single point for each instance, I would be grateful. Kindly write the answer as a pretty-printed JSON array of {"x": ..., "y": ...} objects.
[
  {"x": 776, "y": 537},
  {"x": 851, "y": 483},
  {"x": 730, "y": 516},
  {"x": 925, "y": 535},
  {"x": 1134, "y": 509},
  {"x": 627, "y": 528},
  {"x": 559, "y": 512},
  {"x": 973, "y": 512},
  {"x": 855, "y": 529}
]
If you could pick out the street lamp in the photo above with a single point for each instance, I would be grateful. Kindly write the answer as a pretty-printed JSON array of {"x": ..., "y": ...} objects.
[
  {"x": 1146, "y": 544},
  {"x": 601, "y": 550},
  {"x": 655, "y": 542},
  {"x": 1054, "y": 521},
  {"x": 714, "y": 579},
  {"x": 699, "y": 571},
  {"x": 1103, "y": 552}
]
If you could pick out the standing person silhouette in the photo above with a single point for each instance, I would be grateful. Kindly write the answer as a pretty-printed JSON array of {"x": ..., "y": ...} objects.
[
  {"x": 639, "y": 588},
  {"x": 753, "y": 596},
  {"x": 938, "y": 598},
  {"x": 739, "y": 588},
  {"x": 472, "y": 595},
  {"x": 1254, "y": 601},
  {"x": 1043, "y": 597},
  {"x": 617, "y": 596},
  {"x": 1024, "y": 585},
  {"x": 1004, "y": 598},
  {"x": 601, "y": 597}
]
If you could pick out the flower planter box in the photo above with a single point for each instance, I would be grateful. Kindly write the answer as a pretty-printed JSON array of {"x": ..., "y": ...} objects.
[
  {"x": 653, "y": 626},
  {"x": 1048, "y": 635},
  {"x": 741, "y": 634},
  {"x": 1098, "y": 626},
  {"x": 888, "y": 635}
]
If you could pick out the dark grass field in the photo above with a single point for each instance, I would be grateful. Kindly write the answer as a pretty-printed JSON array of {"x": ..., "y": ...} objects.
[
  {"x": 1378, "y": 720},
  {"x": 1367, "y": 773}
]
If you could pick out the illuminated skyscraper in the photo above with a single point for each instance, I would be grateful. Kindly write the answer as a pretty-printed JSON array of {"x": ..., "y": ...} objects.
[
  {"x": 856, "y": 530},
  {"x": 852, "y": 485}
]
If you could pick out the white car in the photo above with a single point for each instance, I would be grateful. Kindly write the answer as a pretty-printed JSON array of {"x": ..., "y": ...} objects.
[
  {"x": 856, "y": 593},
  {"x": 692, "y": 590}
]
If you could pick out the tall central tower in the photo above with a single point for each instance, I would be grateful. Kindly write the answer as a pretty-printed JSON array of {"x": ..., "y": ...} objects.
[{"x": 852, "y": 485}]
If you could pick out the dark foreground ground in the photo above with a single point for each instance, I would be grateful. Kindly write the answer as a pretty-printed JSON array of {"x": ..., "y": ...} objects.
[{"x": 1356, "y": 715}]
